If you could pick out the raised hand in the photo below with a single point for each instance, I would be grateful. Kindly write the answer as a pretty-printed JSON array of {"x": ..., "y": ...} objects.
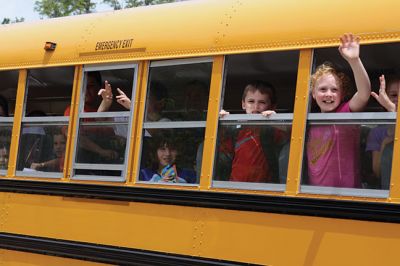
[
  {"x": 107, "y": 95},
  {"x": 382, "y": 97},
  {"x": 349, "y": 47},
  {"x": 123, "y": 100}
]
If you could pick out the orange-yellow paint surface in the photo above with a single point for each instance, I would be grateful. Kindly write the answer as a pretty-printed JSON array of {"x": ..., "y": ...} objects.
[
  {"x": 197, "y": 28},
  {"x": 262, "y": 238}
]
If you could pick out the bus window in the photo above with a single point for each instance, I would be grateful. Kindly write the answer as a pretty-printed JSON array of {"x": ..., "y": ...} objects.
[
  {"x": 8, "y": 91},
  {"x": 44, "y": 127},
  {"x": 104, "y": 123},
  {"x": 255, "y": 124},
  {"x": 363, "y": 169},
  {"x": 175, "y": 118}
]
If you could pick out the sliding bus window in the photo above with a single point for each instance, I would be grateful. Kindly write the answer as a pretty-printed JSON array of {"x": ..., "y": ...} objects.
[
  {"x": 175, "y": 119},
  {"x": 104, "y": 122},
  {"x": 8, "y": 91},
  {"x": 252, "y": 149},
  {"x": 43, "y": 132},
  {"x": 350, "y": 153}
]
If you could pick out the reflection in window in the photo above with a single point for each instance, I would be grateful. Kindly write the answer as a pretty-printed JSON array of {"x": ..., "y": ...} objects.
[
  {"x": 99, "y": 143},
  {"x": 259, "y": 147},
  {"x": 178, "y": 92},
  {"x": 327, "y": 166},
  {"x": 259, "y": 89},
  {"x": 171, "y": 156},
  {"x": 104, "y": 119},
  {"x": 42, "y": 148},
  {"x": 8, "y": 91},
  {"x": 44, "y": 128}
]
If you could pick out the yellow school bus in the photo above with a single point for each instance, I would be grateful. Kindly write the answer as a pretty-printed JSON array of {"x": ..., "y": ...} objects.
[{"x": 83, "y": 179}]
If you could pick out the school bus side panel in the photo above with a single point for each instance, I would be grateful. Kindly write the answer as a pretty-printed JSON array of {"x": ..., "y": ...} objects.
[
  {"x": 195, "y": 28},
  {"x": 262, "y": 238}
]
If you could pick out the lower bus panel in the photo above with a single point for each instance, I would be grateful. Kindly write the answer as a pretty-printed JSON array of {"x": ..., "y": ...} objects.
[
  {"x": 102, "y": 230},
  {"x": 94, "y": 252},
  {"x": 10, "y": 257}
]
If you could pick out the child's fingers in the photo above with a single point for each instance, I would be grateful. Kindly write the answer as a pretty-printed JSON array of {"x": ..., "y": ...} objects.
[
  {"x": 357, "y": 39},
  {"x": 376, "y": 96},
  {"x": 120, "y": 91},
  {"x": 268, "y": 113},
  {"x": 382, "y": 82},
  {"x": 351, "y": 37},
  {"x": 101, "y": 91}
]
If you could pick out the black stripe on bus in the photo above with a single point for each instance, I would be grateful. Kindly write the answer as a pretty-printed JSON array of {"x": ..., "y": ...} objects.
[
  {"x": 343, "y": 209},
  {"x": 102, "y": 253}
]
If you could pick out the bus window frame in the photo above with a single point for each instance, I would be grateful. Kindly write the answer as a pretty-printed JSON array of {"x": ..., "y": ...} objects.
[
  {"x": 124, "y": 168},
  {"x": 277, "y": 119},
  {"x": 170, "y": 124},
  {"x": 38, "y": 121}
]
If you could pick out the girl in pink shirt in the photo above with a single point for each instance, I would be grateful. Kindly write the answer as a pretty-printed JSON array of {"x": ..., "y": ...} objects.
[{"x": 333, "y": 150}]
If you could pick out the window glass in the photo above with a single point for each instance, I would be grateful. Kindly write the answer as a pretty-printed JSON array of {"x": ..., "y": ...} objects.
[
  {"x": 175, "y": 118},
  {"x": 348, "y": 152},
  {"x": 178, "y": 92},
  {"x": 8, "y": 91},
  {"x": 44, "y": 128},
  {"x": 104, "y": 123},
  {"x": 255, "y": 124}
]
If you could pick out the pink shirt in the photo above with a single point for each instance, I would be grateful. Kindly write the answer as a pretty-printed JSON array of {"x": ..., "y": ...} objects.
[{"x": 333, "y": 153}]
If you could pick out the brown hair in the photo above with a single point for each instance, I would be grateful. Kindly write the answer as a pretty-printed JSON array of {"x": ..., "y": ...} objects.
[{"x": 263, "y": 87}]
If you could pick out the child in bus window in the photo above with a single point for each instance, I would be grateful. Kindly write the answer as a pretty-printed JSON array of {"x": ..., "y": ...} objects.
[
  {"x": 251, "y": 153},
  {"x": 94, "y": 142},
  {"x": 3, "y": 157},
  {"x": 56, "y": 164},
  {"x": 164, "y": 167},
  {"x": 380, "y": 136},
  {"x": 333, "y": 150}
]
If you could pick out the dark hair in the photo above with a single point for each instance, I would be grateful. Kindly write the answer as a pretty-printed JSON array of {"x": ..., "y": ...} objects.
[
  {"x": 158, "y": 141},
  {"x": 97, "y": 77},
  {"x": 263, "y": 87},
  {"x": 36, "y": 113},
  {"x": 158, "y": 90},
  {"x": 4, "y": 105}
]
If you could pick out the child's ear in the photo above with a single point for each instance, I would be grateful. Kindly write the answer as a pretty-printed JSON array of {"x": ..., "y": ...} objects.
[
  {"x": 312, "y": 93},
  {"x": 243, "y": 105}
]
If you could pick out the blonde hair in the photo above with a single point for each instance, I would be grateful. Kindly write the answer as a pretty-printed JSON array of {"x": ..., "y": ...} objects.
[{"x": 341, "y": 78}]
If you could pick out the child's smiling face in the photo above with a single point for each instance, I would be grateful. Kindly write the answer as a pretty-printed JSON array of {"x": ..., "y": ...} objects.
[
  {"x": 166, "y": 155},
  {"x": 327, "y": 93}
]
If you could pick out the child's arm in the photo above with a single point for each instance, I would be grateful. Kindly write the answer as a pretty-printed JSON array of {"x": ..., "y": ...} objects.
[
  {"x": 382, "y": 98},
  {"x": 350, "y": 50}
]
